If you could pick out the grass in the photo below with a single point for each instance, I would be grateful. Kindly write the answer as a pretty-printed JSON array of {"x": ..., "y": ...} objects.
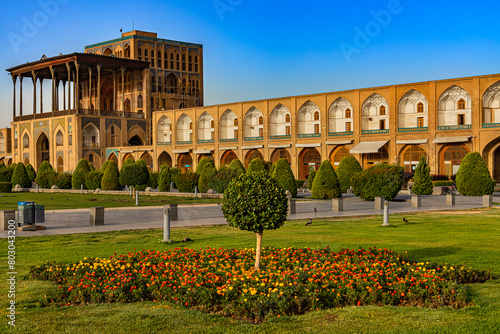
[
  {"x": 455, "y": 237},
  {"x": 57, "y": 201}
]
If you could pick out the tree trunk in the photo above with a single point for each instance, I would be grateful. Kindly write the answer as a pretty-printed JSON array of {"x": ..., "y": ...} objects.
[
  {"x": 257, "y": 251},
  {"x": 133, "y": 192}
]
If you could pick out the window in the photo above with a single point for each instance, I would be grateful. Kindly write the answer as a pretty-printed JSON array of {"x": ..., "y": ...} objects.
[
  {"x": 235, "y": 123},
  {"x": 145, "y": 53},
  {"x": 261, "y": 132},
  {"x": 287, "y": 118},
  {"x": 348, "y": 126},
  {"x": 91, "y": 157},
  {"x": 461, "y": 104},
  {"x": 382, "y": 124},
  {"x": 316, "y": 128},
  {"x": 236, "y": 134},
  {"x": 420, "y": 107},
  {"x": 93, "y": 141},
  {"x": 316, "y": 117},
  {"x": 420, "y": 122},
  {"x": 159, "y": 54},
  {"x": 461, "y": 119},
  {"x": 212, "y": 124},
  {"x": 190, "y": 125},
  {"x": 288, "y": 131},
  {"x": 348, "y": 113},
  {"x": 261, "y": 120},
  {"x": 382, "y": 110}
]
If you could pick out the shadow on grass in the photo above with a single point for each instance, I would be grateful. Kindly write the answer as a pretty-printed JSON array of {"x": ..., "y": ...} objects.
[{"x": 418, "y": 254}]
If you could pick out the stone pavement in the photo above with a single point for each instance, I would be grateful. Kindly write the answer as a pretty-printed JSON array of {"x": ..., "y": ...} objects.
[{"x": 77, "y": 220}]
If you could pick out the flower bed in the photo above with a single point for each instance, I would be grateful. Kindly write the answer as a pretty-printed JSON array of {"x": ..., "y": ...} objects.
[{"x": 292, "y": 281}]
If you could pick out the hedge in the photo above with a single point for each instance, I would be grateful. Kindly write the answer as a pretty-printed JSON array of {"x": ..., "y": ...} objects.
[
  {"x": 326, "y": 184},
  {"x": 473, "y": 177},
  {"x": 186, "y": 182},
  {"x": 348, "y": 167},
  {"x": 63, "y": 180}
]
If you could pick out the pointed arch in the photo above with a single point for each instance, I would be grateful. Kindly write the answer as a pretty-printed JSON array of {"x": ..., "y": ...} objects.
[
  {"x": 60, "y": 164},
  {"x": 280, "y": 153},
  {"x": 253, "y": 129},
  {"x": 375, "y": 114},
  {"x": 112, "y": 156},
  {"x": 148, "y": 160},
  {"x": 90, "y": 136},
  {"x": 309, "y": 120},
  {"x": 184, "y": 128},
  {"x": 136, "y": 136},
  {"x": 108, "y": 52},
  {"x": 164, "y": 159},
  {"x": 340, "y": 116},
  {"x": 59, "y": 138},
  {"x": 252, "y": 154},
  {"x": 280, "y": 122},
  {"x": 164, "y": 131},
  {"x": 42, "y": 149},
  {"x": 227, "y": 157},
  {"x": 491, "y": 104},
  {"x": 26, "y": 140},
  {"x": 113, "y": 135},
  {"x": 412, "y": 110},
  {"x": 205, "y": 129},
  {"x": 309, "y": 159},
  {"x": 337, "y": 154},
  {"x": 228, "y": 128},
  {"x": 454, "y": 109}
]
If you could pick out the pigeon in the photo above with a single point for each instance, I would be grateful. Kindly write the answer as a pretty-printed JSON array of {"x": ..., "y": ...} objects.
[
  {"x": 315, "y": 210},
  {"x": 187, "y": 240},
  {"x": 309, "y": 223},
  {"x": 406, "y": 221}
]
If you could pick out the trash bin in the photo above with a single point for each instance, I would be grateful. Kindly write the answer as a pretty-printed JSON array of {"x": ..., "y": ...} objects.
[
  {"x": 39, "y": 213},
  {"x": 26, "y": 213}
]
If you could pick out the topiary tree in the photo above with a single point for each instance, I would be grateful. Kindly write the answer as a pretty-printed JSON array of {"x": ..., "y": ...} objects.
[
  {"x": 206, "y": 177},
  {"x": 283, "y": 175},
  {"x": 46, "y": 179},
  {"x": 134, "y": 174},
  {"x": 422, "y": 180},
  {"x": 256, "y": 166},
  {"x": 31, "y": 172},
  {"x": 310, "y": 179},
  {"x": 254, "y": 202},
  {"x": 379, "y": 180},
  {"x": 128, "y": 161},
  {"x": 93, "y": 180},
  {"x": 63, "y": 180},
  {"x": 80, "y": 174},
  {"x": 348, "y": 167},
  {"x": 326, "y": 184},
  {"x": 143, "y": 174},
  {"x": 111, "y": 177},
  {"x": 224, "y": 176},
  {"x": 237, "y": 166},
  {"x": 20, "y": 176},
  {"x": 164, "y": 179},
  {"x": 204, "y": 162},
  {"x": 174, "y": 174},
  {"x": 473, "y": 177},
  {"x": 45, "y": 167},
  {"x": 154, "y": 179},
  {"x": 186, "y": 182},
  {"x": 105, "y": 165}
]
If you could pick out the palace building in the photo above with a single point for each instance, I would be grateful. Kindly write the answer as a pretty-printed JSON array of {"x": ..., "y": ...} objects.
[{"x": 140, "y": 96}]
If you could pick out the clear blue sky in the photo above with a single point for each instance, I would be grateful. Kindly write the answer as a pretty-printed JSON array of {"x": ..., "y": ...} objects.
[{"x": 257, "y": 49}]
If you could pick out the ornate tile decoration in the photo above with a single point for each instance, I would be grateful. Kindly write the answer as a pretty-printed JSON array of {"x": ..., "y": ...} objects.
[
  {"x": 23, "y": 126},
  {"x": 96, "y": 151},
  {"x": 59, "y": 153},
  {"x": 93, "y": 120},
  {"x": 41, "y": 126},
  {"x": 112, "y": 150},
  {"x": 133, "y": 122},
  {"x": 114, "y": 121},
  {"x": 26, "y": 155},
  {"x": 56, "y": 122}
]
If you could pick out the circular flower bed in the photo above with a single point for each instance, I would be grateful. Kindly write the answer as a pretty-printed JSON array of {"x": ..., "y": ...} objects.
[{"x": 292, "y": 281}]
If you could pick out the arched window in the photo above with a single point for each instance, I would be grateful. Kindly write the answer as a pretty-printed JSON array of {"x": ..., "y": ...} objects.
[
  {"x": 145, "y": 52},
  {"x": 382, "y": 110},
  {"x": 348, "y": 113},
  {"x": 316, "y": 116},
  {"x": 261, "y": 120},
  {"x": 139, "y": 101},
  {"x": 26, "y": 141},
  {"x": 420, "y": 107},
  {"x": 461, "y": 104},
  {"x": 59, "y": 138},
  {"x": 212, "y": 124},
  {"x": 235, "y": 121},
  {"x": 287, "y": 118}
]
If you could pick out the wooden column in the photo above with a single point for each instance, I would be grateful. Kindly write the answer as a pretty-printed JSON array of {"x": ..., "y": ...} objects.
[
  {"x": 33, "y": 78},
  {"x": 41, "y": 95},
  {"x": 20, "y": 95},
  {"x": 52, "y": 71},
  {"x": 14, "y": 78},
  {"x": 90, "y": 87},
  {"x": 114, "y": 91},
  {"x": 64, "y": 94},
  {"x": 77, "y": 87},
  {"x": 123, "y": 90},
  {"x": 99, "y": 66},
  {"x": 68, "y": 67}
]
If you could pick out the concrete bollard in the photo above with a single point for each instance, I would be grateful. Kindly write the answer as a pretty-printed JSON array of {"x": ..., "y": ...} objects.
[
  {"x": 166, "y": 223},
  {"x": 130, "y": 191},
  {"x": 5, "y": 216},
  {"x": 137, "y": 197},
  {"x": 386, "y": 214},
  {"x": 487, "y": 201},
  {"x": 37, "y": 187},
  {"x": 337, "y": 204},
  {"x": 196, "y": 191},
  {"x": 292, "y": 208},
  {"x": 379, "y": 203},
  {"x": 173, "y": 211},
  {"x": 450, "y": 199},
  {"x": 81, "y": 188},
  {"x": 96, "y": 216},
  {"x": 416, "y": 201}
]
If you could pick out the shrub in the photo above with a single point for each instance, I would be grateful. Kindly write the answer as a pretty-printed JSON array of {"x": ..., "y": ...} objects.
[
  {"x": 443, "y": 183},
  {"x": 63, "y": 180},
  {"x": 326, "y": 184},
  {"x": 20, "y": 176},
  {"x": 5, "y": 187},
  {"x": 111, "y": 177},
  {"x": 128, "y": 161},
  {"x": 237, "y": 166},
  {"x": 407, "y": 176},
  {"x": 422, "y": 180},
  {"x": 105, "y": 165},
  {"x": 300, "y": 183},
  {"x": 174, "y": 174},
  {"x": 439, "y": 177},
  {"x": 93, "y": 180},
  {"x": 348, "y": 166},
  {"x": 310, "y": 179},
  {"x": 44, "y": 167},
  {"x": 204, "y": 162},
  {"x": 269, "y": 167},
  {"x": 283, "y": 175},
  {"x": 2, "y": 165},
  {"x": 379, "y": 180},
  {"x": 134, "y": 174},
  {"x": 153, "y": 180},
  {"x": 206, "y": 177},
  {"x": 31, "y": 172},
  {"x": 46, "y": 179},
  {"x": 186, "y": 182},
  {"x": 6, "y": 174},
  {"x": 254, "y": 202},
  {"x": 143, "y": 179},
  {"x": 473, "y": 177},
  {"x": 224, "y": 176},
  {"x": 80, "y": 174},
  {"x": 164, "y": 179},
  {"x": 256, "y": 166}
]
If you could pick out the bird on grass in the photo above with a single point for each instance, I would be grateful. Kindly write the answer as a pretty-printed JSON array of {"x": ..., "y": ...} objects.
[
  {"x": 309, "y": 223},
  {"x": 315, "y": 210},
  {"x": 187, "y": 240},
  {"x": 406, "y": 221}
]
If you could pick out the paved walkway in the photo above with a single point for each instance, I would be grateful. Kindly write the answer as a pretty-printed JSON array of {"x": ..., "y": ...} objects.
[{"x": 77, "y": 220}]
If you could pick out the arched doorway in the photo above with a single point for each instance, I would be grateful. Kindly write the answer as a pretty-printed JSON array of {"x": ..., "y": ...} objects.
[
  {"x": 135, "y": 141},
  {"x": 496, "y": 165},
  {"x": 411, "y": 157},
  {"x": 60, "y": 164},
  {"x": 26, "y": 161},
  {"x": 279, "y": 154},
  {"x": 113, "y": 157},
  {"x": 227, "y": 157},
  {"x": 450, "y": 158},
  {"x": 338, "y": 154},
  {"x": 42, "y": 150},
  {"x": 165, "y": 159},
  {"x": 380, "y": 157},
  {"x": 185, "y": 162},
  {"x": 201, "y": 156},
  {"x": 128, "y": 156},
  {"x": 148, "y": 160},
  {"x": 252, "y": 154},
  {"x": 309, "y": 159}
]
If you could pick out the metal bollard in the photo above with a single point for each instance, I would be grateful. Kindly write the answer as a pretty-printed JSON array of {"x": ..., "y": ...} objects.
[
  {"x": 196, "y": 191},
  {"x": 137, "y": 197},
  {"x": 166, "y": 225},
  {"x": 37, "y": 187},
  {"x": 386, "y": 214}
]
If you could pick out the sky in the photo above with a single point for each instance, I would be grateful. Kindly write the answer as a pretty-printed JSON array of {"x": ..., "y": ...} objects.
[{"x": 257, "y": 49}]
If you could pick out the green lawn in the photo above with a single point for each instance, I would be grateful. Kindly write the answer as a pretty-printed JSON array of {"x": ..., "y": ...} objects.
[
  {"x": 56, "y": 201},
  {"x": 455, "y": 237}
]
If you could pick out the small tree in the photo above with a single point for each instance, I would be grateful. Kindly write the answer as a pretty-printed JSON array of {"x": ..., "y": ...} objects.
[
  {"x": 111, "y": 178},
  {"x": 134, "y": 174},
  {"x": 224, "y": 176},
  {"x": 204, "y": 162},
  {"x": 206, "y": 177},
  {"x": 473, "y": 177},
  {"x": 186, "y": 182},
  {"x": 80, "y": 174},
  {"x": 283, "y": 175},
  {"x": 44, "y": 167},
  {"x": 348, "y": 166},
  {"x": 256, "y": 166},
  {"x": 310, "y": 179},
  {"x": 422, "y": 180},
  {"x": 254, "y": 202},
  {"x": 164, "y": 179},
  {"x": 326, "y": 184},
  {"x": 20, "y": 176},
  {"x": 105, "y": 165},
  {"x": 143, "y": 174},
  {"x": 31, "y": 172},
  {"x": 63, "y": 180},
  {"x": 379, "y": 180},
  {"x": 237, "y": 166},
  {"x": 93, "y": 180}
]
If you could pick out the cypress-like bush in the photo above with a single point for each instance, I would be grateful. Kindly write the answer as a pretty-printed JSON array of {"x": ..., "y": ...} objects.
[
  {"x": 93, "y": 180},
  {"x": 237, "y": 166},
  {"x": 153, "y": 179},
  {"x": 135, "y": 174},
  {"x": 379, "y": 180},
  {"x": 46, "y": 179},
  {"x": 105, "y": 165},
  {"x": 473, "y": 177},
  {"x": 80, "y": 174},
  {"x": 6, "y": 174},
  {"x": 111, "y": 177},
  {"x": 186, "y": 182},
  {"x": 310, "y": 179},
  {"x": 204, "y": 162},
  {"x": 20, "y": 176},
  {"x": 128, "y": 161},
  {"x": 164, "y": 179},
  {"x": 224, "y": 176},
  {"x": 143, "y": 177},
  {"x": 256, "y": 166},
  {"x": 283, "y": 175},
  {"x": 5, "y": 187},
  {"x": 422, "y": 180},
  {"x": 174, "y": 173},
  {"x": 326, "y": 184},
  {"x": 207, "y": 177},
  {"x": 31, "y": 172},
  {"x": 300, "y": 183},
  {"x": 44, "y": 167},
  {"x": 346, "y": 169},
  {"x": 63, "y": 180}
]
